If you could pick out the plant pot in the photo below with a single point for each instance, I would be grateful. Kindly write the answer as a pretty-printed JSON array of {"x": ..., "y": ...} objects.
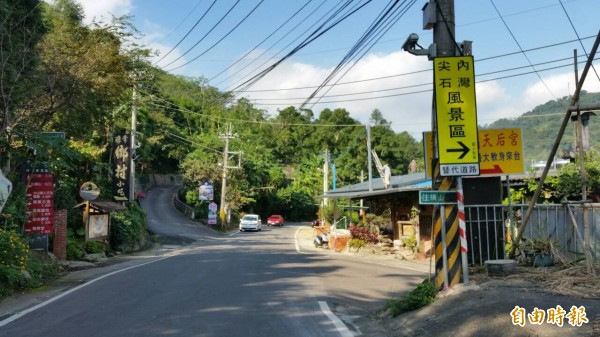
[{"x": 542, "y": 260}]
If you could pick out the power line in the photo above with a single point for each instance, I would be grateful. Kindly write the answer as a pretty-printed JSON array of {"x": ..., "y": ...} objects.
[
  {"x": 311, "y": 38},
  {"x": 205, "y": 35},
  {"x": 276, "y": 42},
  {"x": 520, "y": 48},
  {"x": 222, "y": 38},
  {"x": 182, "y": 21},
  {"x": 370, "y": 35},
  {"x": 429, "y": 69},
  {"x": 261, "y": 42},
  {"x": 578, "y": 38},
  {"x": 188, "y": 32}
]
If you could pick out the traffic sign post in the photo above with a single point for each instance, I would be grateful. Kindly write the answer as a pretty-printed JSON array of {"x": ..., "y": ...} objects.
[
  {"x": 437, "y": 197},
  {"x": 456, "y": 115}
]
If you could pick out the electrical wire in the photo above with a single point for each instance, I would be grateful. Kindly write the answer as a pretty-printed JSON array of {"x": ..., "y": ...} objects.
[
  {"x": 222, "y": 38},
  {"x": 578, "y": 38},
  {"x": 315, "y": 35},
  {"x": 203, "y": 37},
  {"x": 384, "y": 28},
  {"x": 429, "y": 69},
  {"x": 256, "y": 101},
  {"x": 261, "y": 42},
  {"x": 182, "y": 21},
  {"x": 188, "y": 32},
  {"x": 520, "y": 48},
  {"x": 244, "y": 77}
]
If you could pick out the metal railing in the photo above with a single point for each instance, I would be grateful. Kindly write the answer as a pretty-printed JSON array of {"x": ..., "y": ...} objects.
[
  {"x": 183, "y": 208},
  {"x": 341, "y": 223},
  {"x": 490, "y": 228}
]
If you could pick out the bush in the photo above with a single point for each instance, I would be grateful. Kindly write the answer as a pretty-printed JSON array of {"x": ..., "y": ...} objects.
[
  {"x": 410, "y": 242},
  {"x": 13, "y": 249},
  {"x": 364, "y": 233},
  {"x": 38, "y": 269},
  {"x": 11, "y": 279},
  {"x": 423, "y": 295},
  {"x": 357, "y": 243},
  {"x": 74, "y": 249},
  {"x": 42, "y": 268},
  {"x": 128, "y": 229},
  {"x": 93, "y": 247}
]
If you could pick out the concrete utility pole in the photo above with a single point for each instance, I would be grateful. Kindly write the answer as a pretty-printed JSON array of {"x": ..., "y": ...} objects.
[
  {"x": 439, "y": 16},
  {"x": 325, "y": 176},
  {"x": 223, "y": 207},
  {"x": 369, "y": 161},
  {"x": 132, "y": 146}
]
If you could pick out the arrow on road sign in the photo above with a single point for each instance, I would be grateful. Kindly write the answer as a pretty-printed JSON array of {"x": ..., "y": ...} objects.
[
  {"x": 464, "y": 149},
  {"x": 497, "y": 169}
]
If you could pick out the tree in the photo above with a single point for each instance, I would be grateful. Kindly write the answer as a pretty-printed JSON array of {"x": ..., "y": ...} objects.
[
  {"x": 21, "y": 30},
  {"x": 377, "y": 119}
]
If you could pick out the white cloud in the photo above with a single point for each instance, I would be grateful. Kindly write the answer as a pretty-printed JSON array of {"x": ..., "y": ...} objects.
[
  {"x": 406, "y": 110},
  {"x": 403, "y": 107},
  {"x": 103, "y": 9}
]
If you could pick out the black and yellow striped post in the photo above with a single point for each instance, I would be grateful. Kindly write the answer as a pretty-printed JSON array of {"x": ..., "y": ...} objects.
[{"x": 446, "y": 240}]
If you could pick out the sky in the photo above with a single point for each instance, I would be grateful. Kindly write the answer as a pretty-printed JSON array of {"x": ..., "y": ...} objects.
[{"x": 523, "y": 51}]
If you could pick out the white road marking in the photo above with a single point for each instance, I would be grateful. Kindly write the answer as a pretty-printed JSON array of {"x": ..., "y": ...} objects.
[
  {"x": 296, "y": 241},
  {"x": 339, "y": 325},
  {"x": 42, "y": 304}
]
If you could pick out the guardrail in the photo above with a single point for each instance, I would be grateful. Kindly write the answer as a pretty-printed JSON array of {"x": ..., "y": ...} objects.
[{"x": 183, "y": 208}]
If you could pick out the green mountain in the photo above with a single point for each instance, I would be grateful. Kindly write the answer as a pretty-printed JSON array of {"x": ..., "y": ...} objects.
[{"x": 540, "y": 128}]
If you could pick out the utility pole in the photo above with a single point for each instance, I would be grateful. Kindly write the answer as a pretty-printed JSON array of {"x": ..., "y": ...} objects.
[
  {"x": 439, "y": 16},
  {"x": 325, "y": 176},
  {"x": 133, "y": 147},
  {"x": 369, "y": 162},
  {"x": 223, "y": 207}
]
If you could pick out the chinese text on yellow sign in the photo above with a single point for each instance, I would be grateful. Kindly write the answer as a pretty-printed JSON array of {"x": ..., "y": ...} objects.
[{"x": 454, "y": 82}]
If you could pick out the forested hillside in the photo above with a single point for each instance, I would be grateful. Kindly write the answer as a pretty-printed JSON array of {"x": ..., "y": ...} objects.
[
  {"x": 541, "y": 125},
  {"x": 60, "y": 76}
]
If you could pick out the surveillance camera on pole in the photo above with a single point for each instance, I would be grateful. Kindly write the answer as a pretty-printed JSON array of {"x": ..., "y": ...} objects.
[{"x": 411, "y": 44}]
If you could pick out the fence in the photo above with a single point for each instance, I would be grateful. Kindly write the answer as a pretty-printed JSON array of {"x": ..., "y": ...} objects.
[
  {"x": 183, "y": 208},
  {"x": 490, "y": 227}
]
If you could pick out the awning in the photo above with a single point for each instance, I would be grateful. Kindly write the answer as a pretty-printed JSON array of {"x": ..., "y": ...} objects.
[{"x": 410, "y": 182}]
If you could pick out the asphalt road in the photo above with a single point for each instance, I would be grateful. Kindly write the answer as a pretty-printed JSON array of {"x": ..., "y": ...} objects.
[{"x": 203, "y": 283}]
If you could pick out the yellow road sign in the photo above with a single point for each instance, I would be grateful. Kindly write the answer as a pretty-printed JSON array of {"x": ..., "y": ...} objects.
[
  {"x": 500, "y": 151},
  {"x": 456, "y": 112}
]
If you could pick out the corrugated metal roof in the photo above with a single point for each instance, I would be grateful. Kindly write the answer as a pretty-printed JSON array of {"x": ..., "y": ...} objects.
[{"x": 409, "y": 182}]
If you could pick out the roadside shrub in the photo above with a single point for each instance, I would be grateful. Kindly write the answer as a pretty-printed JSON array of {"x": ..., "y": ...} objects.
[
  {"x": 74, "y": 249},
  {"x": 13, "y": 249},
  {"x": 93, "y": 247},
  {"x": 411, "y": 242},
  {"x": 42, "y": 268},
  {"x": 421, "y": 296},
  {"x": 357, "y": 243},
  {"x": 364, "y": 233},
  {"x": 128, "y": 229},
  {"x": 11, "y": 279},
  {"x": 38, "y": 269}
]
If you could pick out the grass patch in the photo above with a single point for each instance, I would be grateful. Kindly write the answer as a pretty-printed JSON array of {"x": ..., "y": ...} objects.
[{"x": 421, "y": 296}]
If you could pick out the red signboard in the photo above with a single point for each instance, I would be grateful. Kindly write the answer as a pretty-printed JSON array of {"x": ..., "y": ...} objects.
[{"x": 40, "y": 202}]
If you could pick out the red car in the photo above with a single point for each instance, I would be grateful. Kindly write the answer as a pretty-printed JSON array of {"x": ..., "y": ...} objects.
[{"x": 275, "y": 220}]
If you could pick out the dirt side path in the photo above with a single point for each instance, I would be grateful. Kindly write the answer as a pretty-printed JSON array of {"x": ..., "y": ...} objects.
[{"x": 487, "y": 312}]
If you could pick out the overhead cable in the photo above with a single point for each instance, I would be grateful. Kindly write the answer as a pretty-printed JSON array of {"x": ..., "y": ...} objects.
[{"x": 221, "y": 39}]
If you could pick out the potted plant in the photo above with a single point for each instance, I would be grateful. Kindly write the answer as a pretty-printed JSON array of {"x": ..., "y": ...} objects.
[{"x": 540, "y": 251}]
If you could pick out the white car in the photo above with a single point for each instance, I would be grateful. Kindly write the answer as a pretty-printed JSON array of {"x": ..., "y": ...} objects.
[{"x": 250, "y": 221}]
